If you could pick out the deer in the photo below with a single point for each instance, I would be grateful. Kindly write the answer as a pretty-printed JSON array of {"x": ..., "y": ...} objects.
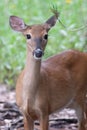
[{"x": 50, "y": 85}]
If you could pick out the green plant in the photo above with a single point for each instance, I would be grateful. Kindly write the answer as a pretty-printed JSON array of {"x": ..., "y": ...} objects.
[{"x": 13, "y": 45}]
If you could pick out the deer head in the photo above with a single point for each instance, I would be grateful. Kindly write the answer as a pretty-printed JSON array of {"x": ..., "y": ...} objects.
[{"x": 36, "y": 35}]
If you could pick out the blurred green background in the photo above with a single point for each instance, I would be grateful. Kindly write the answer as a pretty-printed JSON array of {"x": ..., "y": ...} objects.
[{"x": 73, "y": 14}]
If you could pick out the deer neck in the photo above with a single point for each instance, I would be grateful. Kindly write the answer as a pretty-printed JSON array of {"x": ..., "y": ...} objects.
[{"x": 31, "y": 76}]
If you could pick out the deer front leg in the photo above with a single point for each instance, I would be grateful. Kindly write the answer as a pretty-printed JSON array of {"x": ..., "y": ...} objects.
[
  {"x": 44, "y": 122},
  {"x": 28, "y": 123}
]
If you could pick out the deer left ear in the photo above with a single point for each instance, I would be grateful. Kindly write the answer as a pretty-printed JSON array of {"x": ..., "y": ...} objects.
[
  {"x": 17, "y": 23},
  {"x": 51, "y": 21}
]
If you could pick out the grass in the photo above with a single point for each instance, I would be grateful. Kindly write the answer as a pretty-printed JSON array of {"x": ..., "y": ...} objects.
[{"x": 73, "y": 14}]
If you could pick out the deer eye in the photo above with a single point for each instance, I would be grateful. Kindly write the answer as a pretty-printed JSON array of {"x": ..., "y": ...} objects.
[
  {"x": 28, "y": 36},
  {"x": 46, "y": 36}
]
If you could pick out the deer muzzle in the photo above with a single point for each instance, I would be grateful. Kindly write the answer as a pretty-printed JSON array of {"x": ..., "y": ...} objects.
[{"x": 37, "y": 53}]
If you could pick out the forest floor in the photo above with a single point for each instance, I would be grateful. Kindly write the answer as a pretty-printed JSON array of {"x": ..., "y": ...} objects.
[{"x": 12, "y": 119}]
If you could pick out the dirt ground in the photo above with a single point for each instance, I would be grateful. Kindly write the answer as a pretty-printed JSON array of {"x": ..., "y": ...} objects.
[{"x": 12, "y": 119}]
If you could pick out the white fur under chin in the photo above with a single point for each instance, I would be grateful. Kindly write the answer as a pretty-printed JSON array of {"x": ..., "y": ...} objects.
[{"x": 36, "y": 58}]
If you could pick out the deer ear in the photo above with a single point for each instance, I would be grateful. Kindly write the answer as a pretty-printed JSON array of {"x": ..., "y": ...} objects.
[
  {"x": 17, "y": 23},
  {"x": 52, "y": 21}
]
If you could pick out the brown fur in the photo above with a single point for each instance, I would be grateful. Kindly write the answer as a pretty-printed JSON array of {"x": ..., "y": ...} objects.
[{"x": 44, "y": 87}]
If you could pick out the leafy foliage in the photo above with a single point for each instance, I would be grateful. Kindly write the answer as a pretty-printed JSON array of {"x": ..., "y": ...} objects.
[{"x": 13, "y": 45}]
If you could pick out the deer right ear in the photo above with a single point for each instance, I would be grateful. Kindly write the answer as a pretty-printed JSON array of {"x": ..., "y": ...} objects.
[
  {"x": 17, "y": 23},
  {"x": 52, "y": 20}
]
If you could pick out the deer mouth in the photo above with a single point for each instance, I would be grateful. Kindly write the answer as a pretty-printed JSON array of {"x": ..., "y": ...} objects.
[{"x": 38, "y": 53}]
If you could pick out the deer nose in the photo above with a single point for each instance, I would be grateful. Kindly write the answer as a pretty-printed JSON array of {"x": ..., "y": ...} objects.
[{"x": 38, "y": 53}]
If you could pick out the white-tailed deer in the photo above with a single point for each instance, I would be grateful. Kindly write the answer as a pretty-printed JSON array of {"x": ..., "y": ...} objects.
[{"x": 44, "y": 87}]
